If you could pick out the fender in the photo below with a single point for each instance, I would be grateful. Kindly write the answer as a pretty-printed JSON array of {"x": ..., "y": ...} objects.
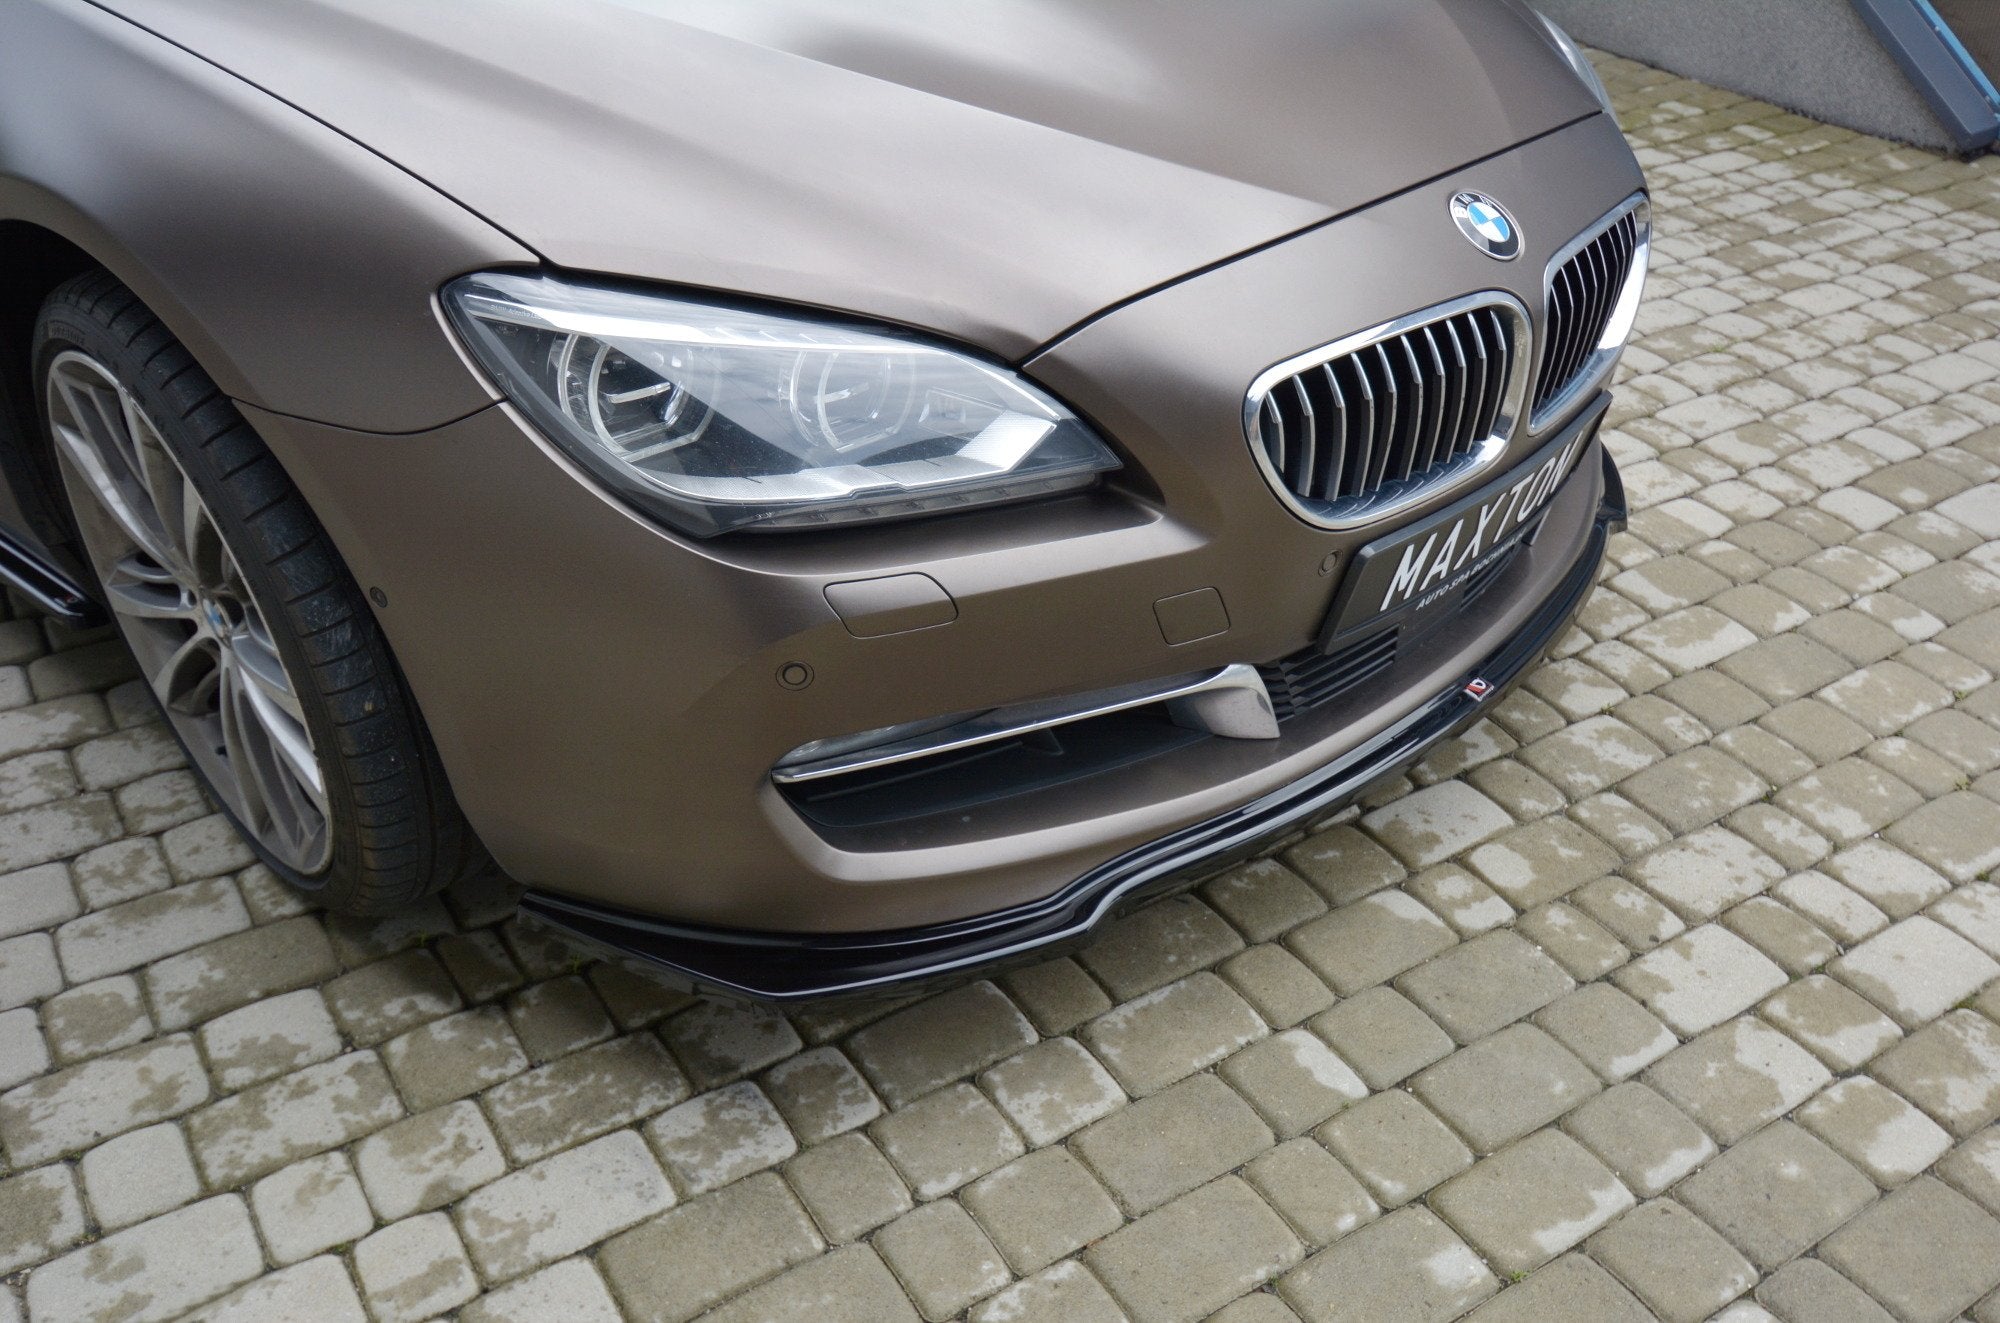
[{"x": 240, "y": 220}]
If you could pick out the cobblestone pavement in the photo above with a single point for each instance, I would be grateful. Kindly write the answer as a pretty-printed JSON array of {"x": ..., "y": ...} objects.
[{"x": 1673, "y": 989}]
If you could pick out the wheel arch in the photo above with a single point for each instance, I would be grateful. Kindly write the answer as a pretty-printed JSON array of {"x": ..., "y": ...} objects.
[{"x": 34, "y": 262}]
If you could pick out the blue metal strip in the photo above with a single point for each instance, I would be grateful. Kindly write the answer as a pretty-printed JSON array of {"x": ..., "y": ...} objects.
[
  {"x": 1939, "y": 67},
  {"x": 1957, "y": 48}
]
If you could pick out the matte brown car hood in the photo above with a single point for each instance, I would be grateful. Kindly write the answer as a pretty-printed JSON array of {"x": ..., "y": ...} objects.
[{"x": 995, "y": 171}]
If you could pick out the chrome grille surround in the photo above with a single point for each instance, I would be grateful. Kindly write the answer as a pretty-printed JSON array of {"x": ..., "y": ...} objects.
[
  {"x": 1592, "y": 285},
  {"x": 1406, "y": 443}
]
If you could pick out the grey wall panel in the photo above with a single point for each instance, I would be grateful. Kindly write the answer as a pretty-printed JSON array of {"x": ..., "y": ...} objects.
[{"x": 1813, "y": 56}]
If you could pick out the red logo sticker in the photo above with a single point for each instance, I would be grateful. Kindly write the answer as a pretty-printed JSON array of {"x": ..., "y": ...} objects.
[{"x": 1477, "y": 689}]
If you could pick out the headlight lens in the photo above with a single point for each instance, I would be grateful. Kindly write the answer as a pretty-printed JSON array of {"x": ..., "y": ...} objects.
[
  {"x": 713, "y": 417},
  {"x": 1579, "y": 63}
]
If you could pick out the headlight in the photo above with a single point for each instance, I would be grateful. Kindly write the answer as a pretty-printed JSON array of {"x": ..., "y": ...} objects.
[
  {"x": 712, "y": 417},
  {"x": 1579, "y": 63}
]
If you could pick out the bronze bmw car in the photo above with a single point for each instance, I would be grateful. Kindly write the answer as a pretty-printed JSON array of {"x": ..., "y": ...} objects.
[{"x": 824, "y": 495}]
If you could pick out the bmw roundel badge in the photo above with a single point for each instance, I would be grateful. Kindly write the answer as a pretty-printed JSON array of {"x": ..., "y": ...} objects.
[{"x": 1488, "y": 225}]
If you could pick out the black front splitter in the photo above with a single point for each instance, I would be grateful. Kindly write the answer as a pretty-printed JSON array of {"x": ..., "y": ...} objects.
[{"x": 788, "y": 967}]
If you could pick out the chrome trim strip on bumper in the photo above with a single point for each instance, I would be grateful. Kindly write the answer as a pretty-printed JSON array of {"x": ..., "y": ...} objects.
[{"x": 1231, "y": 702}]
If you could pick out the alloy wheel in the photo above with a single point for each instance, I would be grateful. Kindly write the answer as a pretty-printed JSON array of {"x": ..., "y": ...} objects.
[{"x": 180, "y": 598}]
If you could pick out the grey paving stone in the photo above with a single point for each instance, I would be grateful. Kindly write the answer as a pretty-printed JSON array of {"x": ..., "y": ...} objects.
[
  {"x": 1606, "y": 1030},
  {"x": 1436, "y": 823},
  {"x": 1916, "y": 970},
  {"x": 95, "y": 1018},
  {"x": 848, "y": 1187},
  {"x": 1580, "y": 944},
  {"x": 1168, "y": 1034},
  {"x": 1396, "y": 1145},
  {"x": 1504, "y": 1086},
  {"x": 205, "y": 847},
  {"x": 269, "y": 1038},
  {"x": 717, "y": 1042},
  {"x": 428, "y": 1160},
  {"x": 1277, "y": 985},
  {"x": 1263, "y": 899},
  {"x": 234, "y": 971},
  {"x": 1831, "y": 1021},
  {"x": 383, "y": 999},
  {"x": 555, "y": 1207},
  {"x": 309, "y": 1111},
  {"x": 1344, "y": 865},
  {"x": 318, "y": 1289},
  {"x": 1973, "y": 1169},
  {"x": 138, "y": 1175},
  {"x": 84, "y": 1104},
  {"x": 1629, "y": 914},
  {"x": 414, "y": 1269},
  {"x": 1898, "y": 884},
  {"x": 1187, "y": 1259},
  {"x": 572, "y": 1290},
  {"x": 138, "y": 932},
  {"x": 1571, "y": 1288},
  {"x": 850, "y": 1285},
  {"x": 1806, "y": 1291},
  {"x": 1485, "y": 985},
  {"x": 582, "y": 1095},
  {"x": 1925, "y": 1251},
  {"x": 1409, "y": 1265},
  {"x": 1737, "y": 1076},
  {"x": 1541, "y": 861},
  {"x": 1950, "y": 1068},
  {"x": 1316, "y": 1196},
  {"x": 1066, "y": 1293},
  {"x": 942, "y": 1258},
  {"x": 185, "y": 1259},
  {"x": 40, "y": 1216},
  {"x": 1875, "y": 1129},
  {"x": 558, "y": 1016},
  {"x": 56, "y": 830},
  {"x": 1777, "y": 1193},
  {"x": 1056, "y": 995},
  {"x": 1166, "y": 1145},
  {"x": 23, "y": 1052},
  {"x": 1531, "y": 1201},
  {"x": 458, "y": 1055},
  {"x": 309, "y": 1207},
  {"x": 1370, "y": 941},
  {"x": 693, "y": 1257},
  {"x": 1293, "y": 1080},
  {"x": 33, "y": 898},
  {"x": 820, "y": 1094},
  {"x": 1041, "y": 1208},
  {"x": 1157, "y": 945},
  {"x": 1641, "y": 1136},
  {"x": 939, "y": 1040},
  {"x": 945, "y": 1139},
  {"x": 1382, "y": 1035},
  {"x": 720, "y": 1136},
  {"x": 121, "y": 871},
  {"x": 1701, "y": 978},
  {"x": 1681, "y": 1269}
]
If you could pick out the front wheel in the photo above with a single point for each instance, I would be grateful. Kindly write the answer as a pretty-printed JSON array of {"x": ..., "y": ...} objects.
[{"x": 266, "y": 663}]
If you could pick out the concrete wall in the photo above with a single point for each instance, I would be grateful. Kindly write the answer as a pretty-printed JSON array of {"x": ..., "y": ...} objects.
[{"x": 1812, "y": 56}]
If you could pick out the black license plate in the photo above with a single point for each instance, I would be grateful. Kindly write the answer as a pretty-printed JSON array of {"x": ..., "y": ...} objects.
[{"x": 1425, "y": 564}]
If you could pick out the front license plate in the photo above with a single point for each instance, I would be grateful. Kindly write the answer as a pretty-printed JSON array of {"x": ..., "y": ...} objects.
[{"x": 1422, "y": 565}]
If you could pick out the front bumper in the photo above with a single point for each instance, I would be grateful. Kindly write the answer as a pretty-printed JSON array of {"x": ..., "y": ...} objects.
[
  {"x": 784, "y": 967},
  {"x": 610, "y": 700}
]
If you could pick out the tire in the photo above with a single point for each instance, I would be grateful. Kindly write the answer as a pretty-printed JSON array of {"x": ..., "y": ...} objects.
[{"x": 301, "y": 725}]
